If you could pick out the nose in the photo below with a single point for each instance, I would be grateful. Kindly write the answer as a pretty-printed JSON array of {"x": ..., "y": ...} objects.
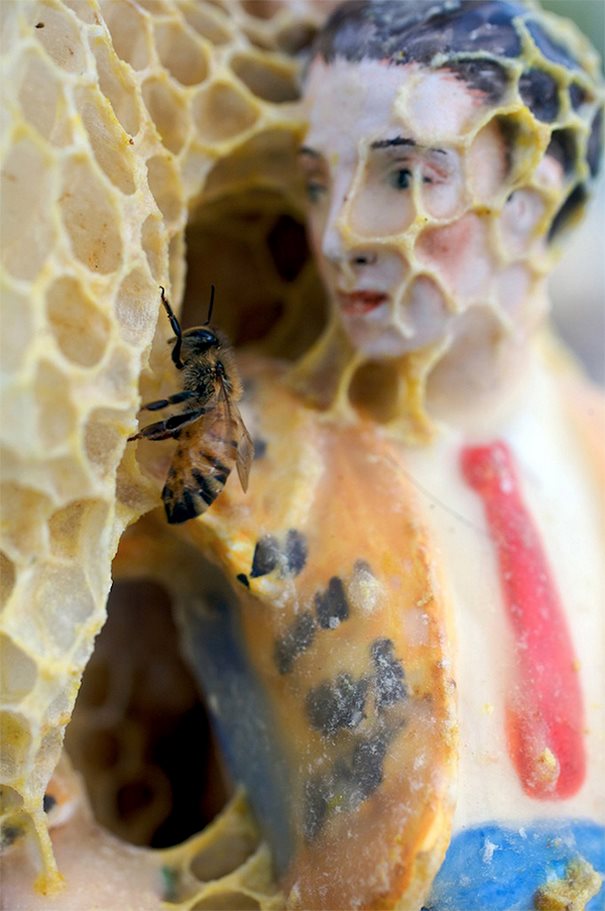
[
  {"x": 334, "y": 247},
  {"x": 332, "y": 242},
  {"x": 362, "y": 258},
  {"x": 335, "y": 250}
]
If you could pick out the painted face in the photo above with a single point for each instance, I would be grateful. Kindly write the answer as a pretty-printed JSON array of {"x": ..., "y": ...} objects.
[{"x": 404, "y": 171}]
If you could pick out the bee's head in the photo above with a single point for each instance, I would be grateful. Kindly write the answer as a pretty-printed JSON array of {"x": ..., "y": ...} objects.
[
  {"x": 198, "y": 341},
  {"x": 194, "y": 342}
]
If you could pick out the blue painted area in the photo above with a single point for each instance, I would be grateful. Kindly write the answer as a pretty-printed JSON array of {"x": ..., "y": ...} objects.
[
  {"x": 494, "y": 868},
  {"x": 239, "y": 710}
]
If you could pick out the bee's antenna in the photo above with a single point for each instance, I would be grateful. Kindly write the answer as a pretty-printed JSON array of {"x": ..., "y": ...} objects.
[
  {"x": 176, "y": 328},
  {"x": 211, "y": 304}
]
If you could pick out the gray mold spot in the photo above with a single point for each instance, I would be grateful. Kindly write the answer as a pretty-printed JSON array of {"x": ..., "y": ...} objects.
[
  {"x": 332, "y": 706},
  {"x": 332, "y": 606},
  {"x": 296, "y": 641},
  {"x": 266, "y": 556},
  {"x": 389, "y": 682}
]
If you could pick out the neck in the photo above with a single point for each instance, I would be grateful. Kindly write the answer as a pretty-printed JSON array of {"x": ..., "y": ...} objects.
[
  {"x": 480, "y": 377},
  {"x": 472, "y": 380}
]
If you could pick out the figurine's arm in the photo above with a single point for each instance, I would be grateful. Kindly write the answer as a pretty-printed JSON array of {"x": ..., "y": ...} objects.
[{"x": 325, "y": 658}]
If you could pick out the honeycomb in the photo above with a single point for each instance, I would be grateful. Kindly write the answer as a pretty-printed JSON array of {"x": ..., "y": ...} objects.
[
  {"x": 225, "y": 866},
  {"x": 120, "y": 120}
]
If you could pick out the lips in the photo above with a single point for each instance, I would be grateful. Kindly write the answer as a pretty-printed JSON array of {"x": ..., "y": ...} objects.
[{"x": 359, "y": 303}]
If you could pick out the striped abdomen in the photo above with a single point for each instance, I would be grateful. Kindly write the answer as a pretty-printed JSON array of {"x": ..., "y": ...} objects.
[{"x": 206, "y": 453}]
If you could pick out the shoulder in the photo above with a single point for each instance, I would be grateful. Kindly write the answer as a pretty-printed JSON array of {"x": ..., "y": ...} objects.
[{"x": 582, "y": 406}]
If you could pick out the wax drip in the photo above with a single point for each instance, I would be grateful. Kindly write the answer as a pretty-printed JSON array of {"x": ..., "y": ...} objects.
[{"x": 544, "y": 712}]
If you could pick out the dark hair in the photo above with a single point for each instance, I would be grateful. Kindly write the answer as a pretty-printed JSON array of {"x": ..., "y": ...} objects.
[
  {"x": 404, "y": 32},
  {"x": 447, "y": 34}
]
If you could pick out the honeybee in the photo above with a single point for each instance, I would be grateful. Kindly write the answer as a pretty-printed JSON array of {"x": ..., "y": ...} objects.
[{"x": 210, "y": 431}]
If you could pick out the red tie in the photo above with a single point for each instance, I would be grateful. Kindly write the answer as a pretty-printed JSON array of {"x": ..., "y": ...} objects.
[{"x": 545, "y": 712}]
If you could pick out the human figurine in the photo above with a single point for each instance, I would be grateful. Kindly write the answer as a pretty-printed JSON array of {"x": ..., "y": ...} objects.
[
  {"x": 397, "y": 626},
  {"x": 402, "y": 648}
]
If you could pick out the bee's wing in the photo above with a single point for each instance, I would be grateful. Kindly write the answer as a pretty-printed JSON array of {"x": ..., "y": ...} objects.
[
  {"x": 245, "y": 454},
  {"x": 245, "y": 446}
]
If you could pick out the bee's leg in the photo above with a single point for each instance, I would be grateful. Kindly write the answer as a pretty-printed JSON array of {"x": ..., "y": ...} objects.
[
  {"x": 176, "y": 328},
  {"x": 171, "y": 400},
  {"x": 171, "y": 427}
]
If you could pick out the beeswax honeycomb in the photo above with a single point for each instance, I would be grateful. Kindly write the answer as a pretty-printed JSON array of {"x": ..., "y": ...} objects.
[{"x": 121, "y": 121}]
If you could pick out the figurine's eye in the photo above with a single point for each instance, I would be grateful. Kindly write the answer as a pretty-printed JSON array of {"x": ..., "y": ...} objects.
[
  {"x": 401, "y": 179},
  {"x": 314, "y": 190}
]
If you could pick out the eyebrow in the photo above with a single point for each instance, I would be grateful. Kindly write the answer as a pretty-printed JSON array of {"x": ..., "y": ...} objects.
[
  {"x": 307, "y": 150},
  {"x": 401, "y": 141},
  {"x": 395, "y": 141}
]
